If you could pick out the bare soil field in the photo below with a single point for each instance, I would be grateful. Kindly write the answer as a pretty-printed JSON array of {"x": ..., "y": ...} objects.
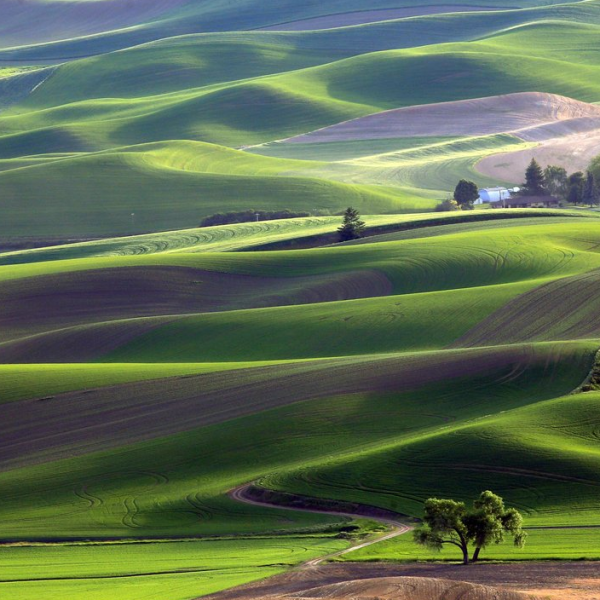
[
  {"x": 573, "y": 152},
  {"x": 525, "y": 114},
  {"x": 428, "y": 581},
  {"x": 371, "y": 16}
]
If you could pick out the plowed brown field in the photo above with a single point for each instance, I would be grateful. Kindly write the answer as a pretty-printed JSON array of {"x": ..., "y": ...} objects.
[
  {"x": 564, "y": 581},
  {"x": 510, "y": 113}
]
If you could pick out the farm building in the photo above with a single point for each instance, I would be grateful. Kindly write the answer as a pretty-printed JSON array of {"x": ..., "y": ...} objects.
[
  {"x": 488, "y": 195},
  {"x": 527, "y": 202}
]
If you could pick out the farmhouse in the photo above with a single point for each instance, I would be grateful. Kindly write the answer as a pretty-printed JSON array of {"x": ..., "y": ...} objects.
[
  {"x": 488, "y": 195},
  {"x": 527, "y": 202}
]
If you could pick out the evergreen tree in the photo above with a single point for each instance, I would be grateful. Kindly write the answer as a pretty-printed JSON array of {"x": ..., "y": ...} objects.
[
  {"x": 352, "y": 227},
  {"x": 534, "y": 180},
  {"x": 465, "y": 193}
]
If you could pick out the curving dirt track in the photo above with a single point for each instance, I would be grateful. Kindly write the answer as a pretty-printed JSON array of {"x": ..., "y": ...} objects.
[
  {"x": 525, "y": 114},
  {"x": 432, "y": 581},
  {"x": 371, "y": 16},
  {"x": 397, "y": 527}
]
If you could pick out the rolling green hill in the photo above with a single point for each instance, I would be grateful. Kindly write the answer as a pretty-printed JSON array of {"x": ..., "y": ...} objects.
[
  {"x": 185, "y": 89},
  {"x": 371, "y": 356},
  {"x": 149, "y": 366}
]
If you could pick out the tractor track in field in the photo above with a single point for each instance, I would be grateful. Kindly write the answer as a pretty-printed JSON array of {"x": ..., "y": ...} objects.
[{"x": 241, "y": 494}]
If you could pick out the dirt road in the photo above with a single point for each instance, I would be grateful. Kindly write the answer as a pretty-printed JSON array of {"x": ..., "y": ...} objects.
[{"x": 397, "y": 527}]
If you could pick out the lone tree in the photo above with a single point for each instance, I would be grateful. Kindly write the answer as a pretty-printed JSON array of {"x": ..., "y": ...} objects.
[
  {"x": 352, "y": 227},
  {"x": 535, "y": 184},
  {"x": 465, "y": 193},
  {"x": 450, "y": 522}
]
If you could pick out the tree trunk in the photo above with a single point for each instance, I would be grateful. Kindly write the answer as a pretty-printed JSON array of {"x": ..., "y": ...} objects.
[
  {"x": 476, "y": 554},
  {"x": 465, "y": 552}
]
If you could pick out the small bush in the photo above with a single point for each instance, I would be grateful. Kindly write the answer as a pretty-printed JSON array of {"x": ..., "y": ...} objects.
[
  {"x": 247, "y": 216},
  {"x": 447, "y": 206}
]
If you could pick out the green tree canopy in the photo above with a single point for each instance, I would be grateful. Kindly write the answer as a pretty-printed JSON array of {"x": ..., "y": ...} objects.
[
  {"x": 465, "y": 193},
  {"x": 556, "y": 181},
  {"x": 535, "y": 184},
  {"x": 352, "y": 227},
  {"x": 576, "y": 183},
  {"x": 590, "y": 190},
  {"x": 594, "y": 167},
  {"x": 487, "y": 522}
]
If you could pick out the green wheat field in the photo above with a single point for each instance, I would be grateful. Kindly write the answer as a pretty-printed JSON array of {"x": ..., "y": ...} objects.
[{"x": 148, "y": 365}]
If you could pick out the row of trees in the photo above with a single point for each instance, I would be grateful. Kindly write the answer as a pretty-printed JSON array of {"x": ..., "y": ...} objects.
[{"x": 576, "y": 188}]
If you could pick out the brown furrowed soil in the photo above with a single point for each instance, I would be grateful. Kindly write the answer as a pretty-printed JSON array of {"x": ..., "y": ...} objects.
[
  {"x": 519, "y": 113},
  {"x": 428, "y": 581},
  {"x": 50, "y": 302},
  {"x": 573, "y": 152},
  {"x": 371, "y": 16}
]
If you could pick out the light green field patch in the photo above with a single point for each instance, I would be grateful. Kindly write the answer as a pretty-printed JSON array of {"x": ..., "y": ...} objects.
[
  {"x": 378, "y": 325},
  {"x": 337, "y": 151},
  {"x": 542, "y": 544},
  {"x": 171, "y": 570}
]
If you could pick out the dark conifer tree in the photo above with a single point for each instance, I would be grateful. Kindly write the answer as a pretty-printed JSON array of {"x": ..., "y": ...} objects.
[
  {"x": 535, "y": 184},
  {"x": 352, "y": 227}
]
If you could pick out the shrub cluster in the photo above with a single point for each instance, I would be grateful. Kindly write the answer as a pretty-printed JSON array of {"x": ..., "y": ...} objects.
[{"x": 246, "y": 216}]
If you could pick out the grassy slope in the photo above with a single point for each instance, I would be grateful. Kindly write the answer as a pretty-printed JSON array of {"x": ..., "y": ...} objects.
[
  {"x": 245, "y": 236},
  {"x": 251, "y": 112},
  {"x": 440, "y": 275},
  {"x": 171, "y": 570},
  {"x": 436, "y": 166},
  {"x": 101, "y": 505},
  {"x": 259, "y": 110},
  {"x": 386, "y": 429},
  {"x": 201, "y": 100},
  {"x": 543, "y": 448},
  {"x": 20, "y": 382},
  {"x": 102, "y": 190},
  {"x": 341, "y": 433},
  {"x": 254, "y": 15}
]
